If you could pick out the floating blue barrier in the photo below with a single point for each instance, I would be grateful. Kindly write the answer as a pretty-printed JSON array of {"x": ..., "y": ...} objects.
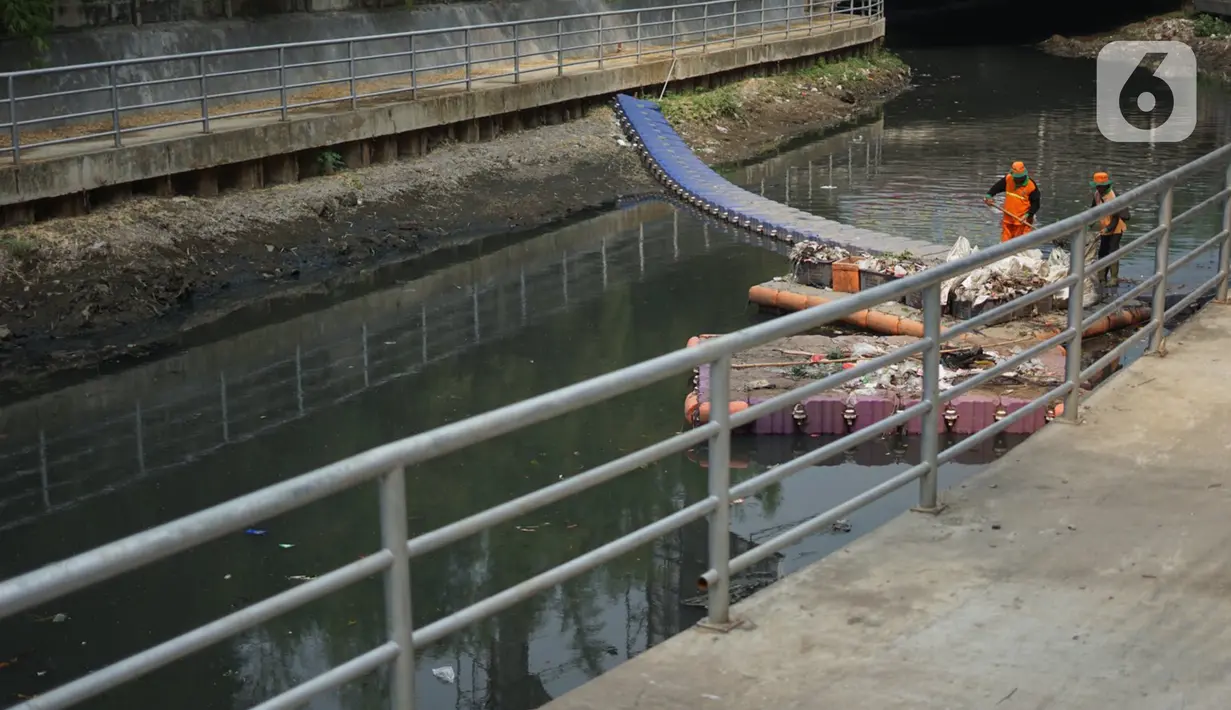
[{"x": 693, "y": 183}]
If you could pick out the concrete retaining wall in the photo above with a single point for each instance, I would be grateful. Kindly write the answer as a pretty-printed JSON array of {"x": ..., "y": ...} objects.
[{"x": 382, "y": 132}]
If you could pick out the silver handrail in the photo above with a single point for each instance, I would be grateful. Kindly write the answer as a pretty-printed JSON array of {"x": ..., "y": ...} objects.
[
  {"x": 387, "y": 463},
  {"x": 424, "y": 59}
]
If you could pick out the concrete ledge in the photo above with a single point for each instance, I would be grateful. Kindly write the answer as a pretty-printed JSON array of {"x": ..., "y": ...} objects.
[{"x": 187, "y": 152}]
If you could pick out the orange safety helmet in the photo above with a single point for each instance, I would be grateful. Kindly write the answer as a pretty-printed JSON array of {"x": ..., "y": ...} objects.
[
  {"x": 1100, "y": 179},
  {"x": 1018, "y": 170}
]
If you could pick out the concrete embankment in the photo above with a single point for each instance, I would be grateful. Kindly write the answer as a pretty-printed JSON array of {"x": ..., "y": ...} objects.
[
  {"x": 1085, "y": 570},
  {"x": 132, "y": 278}
]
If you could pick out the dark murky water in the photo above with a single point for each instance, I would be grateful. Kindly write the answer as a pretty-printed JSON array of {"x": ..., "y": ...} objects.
[{"x": 110, "y": 457}]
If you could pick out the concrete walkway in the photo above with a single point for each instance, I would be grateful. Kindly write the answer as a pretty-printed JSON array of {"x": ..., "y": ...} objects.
[{"x": 1089, "y": 569}]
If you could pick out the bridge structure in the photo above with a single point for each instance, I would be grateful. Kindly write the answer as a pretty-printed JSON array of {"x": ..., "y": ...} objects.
[
  {"x": 1088, "y": 567},
  {"x": 248, "y": 117}
]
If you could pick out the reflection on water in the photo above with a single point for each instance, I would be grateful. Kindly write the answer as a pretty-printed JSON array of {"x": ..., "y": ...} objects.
[
  {"x": 125, "y": 452},
  {"x": 62, "y": 450}
]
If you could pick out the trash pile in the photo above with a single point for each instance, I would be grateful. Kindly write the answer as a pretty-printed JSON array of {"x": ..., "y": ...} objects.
[
  {"x": 906, "y": 378},
  {"x": 899, "y": 265},
  {"x": 809, "y": 252},
  {"x": 1010, "y": 277}
]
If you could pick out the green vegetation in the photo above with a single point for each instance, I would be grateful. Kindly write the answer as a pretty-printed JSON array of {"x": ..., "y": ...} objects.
[
  {"x": 330, "y": 161},
  {"x": 30, "y": 20},
  {"x": 702, "y": 105},
  {"x": 1211, "y": 26},
  {"x": 18, "y": 247},
  {"x": 727, "y": 102},
  {"x": 852, "y": 70}
]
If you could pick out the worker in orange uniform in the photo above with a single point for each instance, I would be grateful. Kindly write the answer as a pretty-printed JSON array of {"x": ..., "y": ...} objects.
[
  {"x": 1111, "y": 228},
  {"x": 1021, "y": 201}
]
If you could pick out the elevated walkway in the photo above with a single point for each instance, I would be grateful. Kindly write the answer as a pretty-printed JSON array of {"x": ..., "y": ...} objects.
[
  {"x": 265, "y": 140},
  {"x": 1087, "y": 570}
]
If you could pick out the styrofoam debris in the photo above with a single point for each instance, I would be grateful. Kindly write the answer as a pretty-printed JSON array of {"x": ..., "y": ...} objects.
[{"x": 1009, "y": 278}]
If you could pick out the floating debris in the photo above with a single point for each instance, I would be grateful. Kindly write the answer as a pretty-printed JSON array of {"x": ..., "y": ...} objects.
[
  {"x": 809, "y": 252},
  {"x": 446, "y": 674},
  {"x": 1012, "y": 276},
  {"x": 256, "y": 531},
  {"x": 897, "y": 265}
]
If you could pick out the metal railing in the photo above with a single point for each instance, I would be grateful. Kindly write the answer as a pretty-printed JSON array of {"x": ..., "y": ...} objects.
[
  {"x": 386, "y": 464},
  {"x": 116, "y": 99}
]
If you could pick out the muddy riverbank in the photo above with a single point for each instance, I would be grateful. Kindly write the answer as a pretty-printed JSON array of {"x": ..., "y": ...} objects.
[
  {"x": 1209, "y": 37},
  {"x": 743, "y": 121},
  {"x": 129, "y": 280}
]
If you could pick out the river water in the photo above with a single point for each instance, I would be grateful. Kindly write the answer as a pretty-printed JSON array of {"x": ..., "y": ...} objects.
[{"x": 118, "y": 454}]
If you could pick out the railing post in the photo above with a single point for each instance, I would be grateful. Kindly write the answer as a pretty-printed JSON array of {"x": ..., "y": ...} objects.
[
  {"x": 559, "y": 47},
  {"x": 115, "y": 104},
  {"x": 299, "y": 379},
  {"x": 398, "y": 617},
  {"x": 469, "y": 59},
  {"x": 140, "y": 433},
  {"x": 14, "y": 134},
  {"x": 1161, "y": 259},
  {"x": 364, "y": 335},
  {"x": 638, "y": 59},
  {"x": 42, "y": 468},
  {"x": 1224, "y": 249},
  {"x": 204, "y": 97},
  {"x": 719, "y": 593},
  {"x": 1077, "y": 293},
  {"x": 928, "y": 496},
  {"x": 516, "y": 54},
  {"x": 282, "y": 80},
  {"x": 414, "y": 73},
  {"x": 673, "y": 32},
  {"x": 222, "y": 389},
  {"x": 734, "y": 22},
  {"x": 350, "y": 61},
  {"x": 423, "y": 333},
  {"x": 600, "y": 41},
  {"x": 762, "y": 21},
  {"x": 705, "y": 28}
]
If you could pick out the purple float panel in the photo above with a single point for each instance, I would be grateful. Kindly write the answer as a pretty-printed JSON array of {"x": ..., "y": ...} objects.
[
  {"x": 703, "y": 383},
  {"x": 975, "y": 411},
  {"x": 872, "y": 408},
  {"x": 779, "y": 422},
  {"x": 1030, "y": 423},
  {"x": 914, "y": 427},
  {"x": 825, "y": 414}
]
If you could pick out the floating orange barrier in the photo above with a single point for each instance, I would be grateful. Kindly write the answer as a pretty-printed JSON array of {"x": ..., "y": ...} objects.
[
  {"x": 697, "y": 411},
  {"x": 889, "y": 324}
]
